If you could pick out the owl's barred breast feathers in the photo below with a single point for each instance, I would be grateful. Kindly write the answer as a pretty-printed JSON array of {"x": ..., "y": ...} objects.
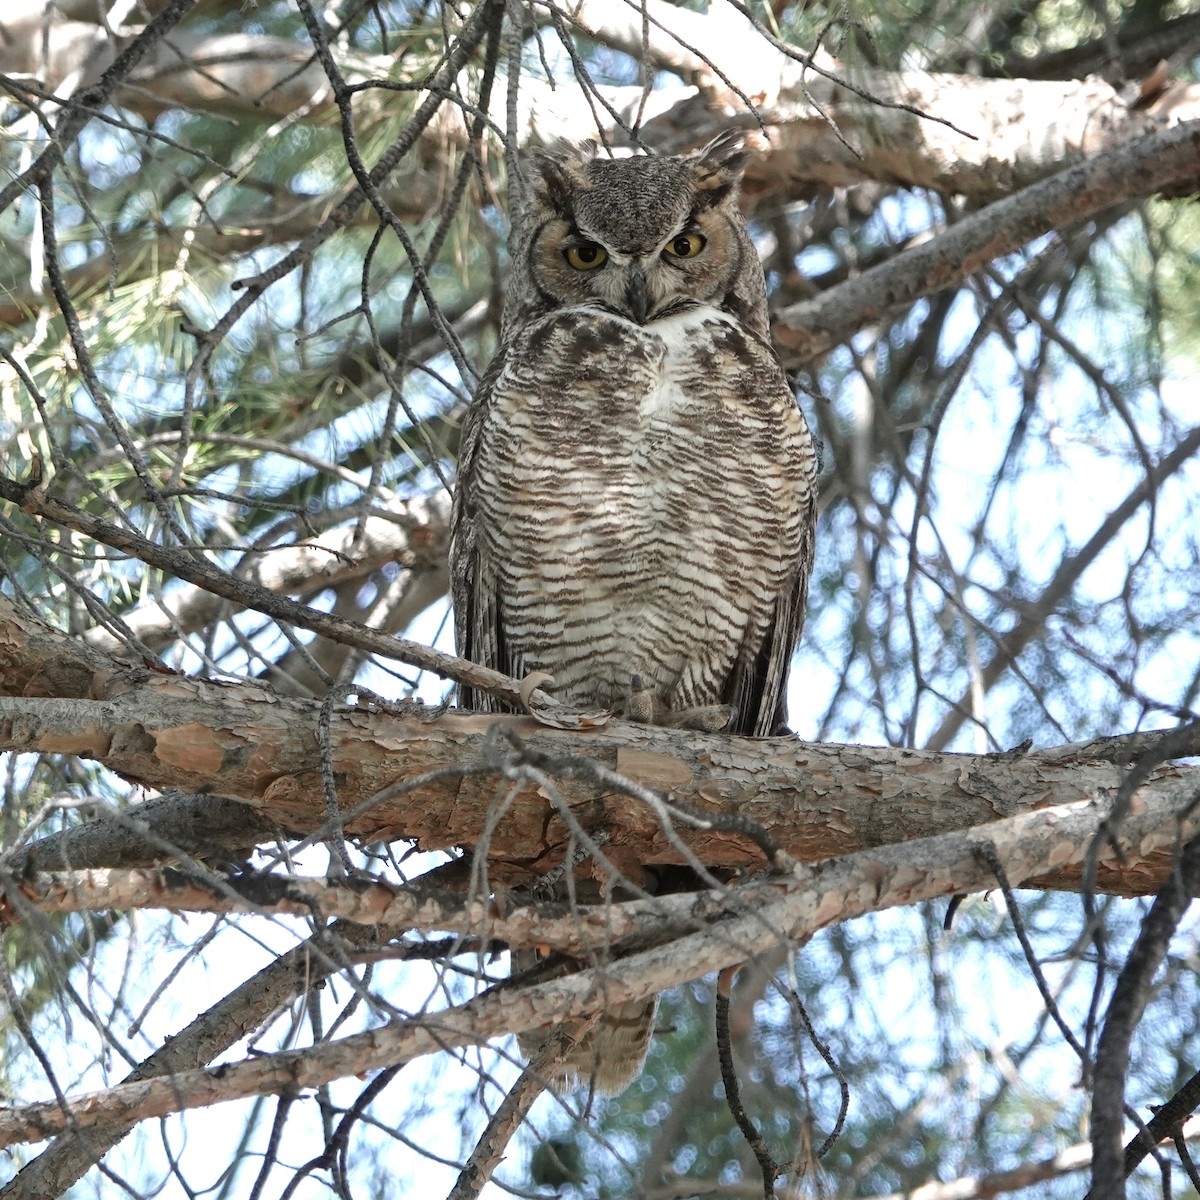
[{"x": 635, "y": 505}]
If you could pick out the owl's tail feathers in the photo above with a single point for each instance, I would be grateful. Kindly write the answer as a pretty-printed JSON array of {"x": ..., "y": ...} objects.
[{"x": 608, "y": 1055}]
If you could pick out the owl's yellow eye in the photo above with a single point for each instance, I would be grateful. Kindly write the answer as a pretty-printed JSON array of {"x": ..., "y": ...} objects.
[
  {"x": 587, "y": 257},
  {"x": 686, "y": 245}
]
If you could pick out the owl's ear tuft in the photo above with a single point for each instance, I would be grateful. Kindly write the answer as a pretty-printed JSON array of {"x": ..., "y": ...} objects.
[
  {"x": 719, "y": 166},
  {"x": 559, "y": 171}
]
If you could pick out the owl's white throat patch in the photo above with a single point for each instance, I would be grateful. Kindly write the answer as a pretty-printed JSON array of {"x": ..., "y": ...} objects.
[
  {"x": 678, "y": 335},
  {"x": 684, "y": 322}
]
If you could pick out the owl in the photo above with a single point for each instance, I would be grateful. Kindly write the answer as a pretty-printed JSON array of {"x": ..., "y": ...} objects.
[{"x": 635, "y": 502}]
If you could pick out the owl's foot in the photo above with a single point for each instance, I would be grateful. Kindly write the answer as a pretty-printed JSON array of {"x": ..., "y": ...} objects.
[
  {"x": 647, "y": 708},
  {"x": 642, "y": 702},
  {"x": 711, "y": 718},
  {"x": 547, "y": 711}
]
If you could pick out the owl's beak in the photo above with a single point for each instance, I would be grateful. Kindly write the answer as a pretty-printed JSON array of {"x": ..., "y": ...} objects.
[{"x": 637, "y": 295}]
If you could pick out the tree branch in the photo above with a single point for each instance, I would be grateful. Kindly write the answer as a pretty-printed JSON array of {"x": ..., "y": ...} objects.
[
  {"x": 367, "y": 902},
  {"x": 435, "y": 781},
  {"x": 1129, "y": 998},
  {"x": 754, "y": 919},
  {"x": 1033, "y": 617},
  {"x": 183, "y": 564},
  {"x": 822, "y": 132},
  {"x": 78, "y": 110},
  {"x": 213, "y": 1032},
  {"x": 415, "y": 532},
  {"x": 1151, "y": 164}
]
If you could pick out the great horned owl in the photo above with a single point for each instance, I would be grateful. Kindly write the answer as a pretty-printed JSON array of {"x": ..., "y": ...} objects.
[{"x": 634, "y": 511}]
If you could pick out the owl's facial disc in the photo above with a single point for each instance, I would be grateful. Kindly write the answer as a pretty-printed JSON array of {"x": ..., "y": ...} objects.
[
  {"x": 637, "y": 281},
  {"x": 639, "y": 254}
]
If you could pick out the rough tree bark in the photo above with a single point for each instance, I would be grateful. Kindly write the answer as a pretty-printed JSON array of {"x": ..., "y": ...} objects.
[
  {"x": 729, "y": 928},
  {"x": 859, "y": 829},
  {"x": 243, "y": 742}
]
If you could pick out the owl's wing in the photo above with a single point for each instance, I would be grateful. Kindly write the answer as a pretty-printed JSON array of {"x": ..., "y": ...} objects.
[
  {"x": 757, "y": 687},
  {"x": 478, "y": 633}
]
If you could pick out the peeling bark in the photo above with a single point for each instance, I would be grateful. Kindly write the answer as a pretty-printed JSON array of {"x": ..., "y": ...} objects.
[
  {"x": 243, "y": 742},
  {"x": 751, "y": 920}
]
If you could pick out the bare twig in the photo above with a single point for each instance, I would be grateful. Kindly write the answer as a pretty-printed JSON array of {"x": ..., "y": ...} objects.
[
  {"x": 505, "y": 1121},
  {"x": 771, "y": 1170},
  {"x": 1129, "y": 998},
  {"x": 199, "y": 571}
]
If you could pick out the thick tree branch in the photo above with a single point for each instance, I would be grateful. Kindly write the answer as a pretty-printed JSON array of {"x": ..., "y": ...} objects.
[
  {"x": 1153, "y": 163},
  {"x": 358, "y": 901},
  {"x": 833, "y": 124},
  {"x": 821, "y": 133},
  {"x": 240, "y": 741},
  {"x": 754, "y": 919},
  {"x": 800, "y": 155},
  {"x": 1118, "y": 153}
]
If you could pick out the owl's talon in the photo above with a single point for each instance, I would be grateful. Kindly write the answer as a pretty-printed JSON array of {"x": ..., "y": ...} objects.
[
  {"x": 531, "y": 683},
  {"x": 647, "y": 708},
  {"x": 551, "y": 713}
]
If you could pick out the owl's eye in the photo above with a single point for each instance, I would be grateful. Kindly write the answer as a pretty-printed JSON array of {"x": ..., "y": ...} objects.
[
  {"x": 587, "y": 257},
  {"x": 686, "y": 245}
]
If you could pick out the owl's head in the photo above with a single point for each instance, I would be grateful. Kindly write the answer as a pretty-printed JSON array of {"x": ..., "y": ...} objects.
[{"x": 642, "y": 237}]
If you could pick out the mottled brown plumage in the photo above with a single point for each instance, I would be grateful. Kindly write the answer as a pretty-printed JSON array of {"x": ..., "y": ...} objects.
[{"x": 634, "y": 512}]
